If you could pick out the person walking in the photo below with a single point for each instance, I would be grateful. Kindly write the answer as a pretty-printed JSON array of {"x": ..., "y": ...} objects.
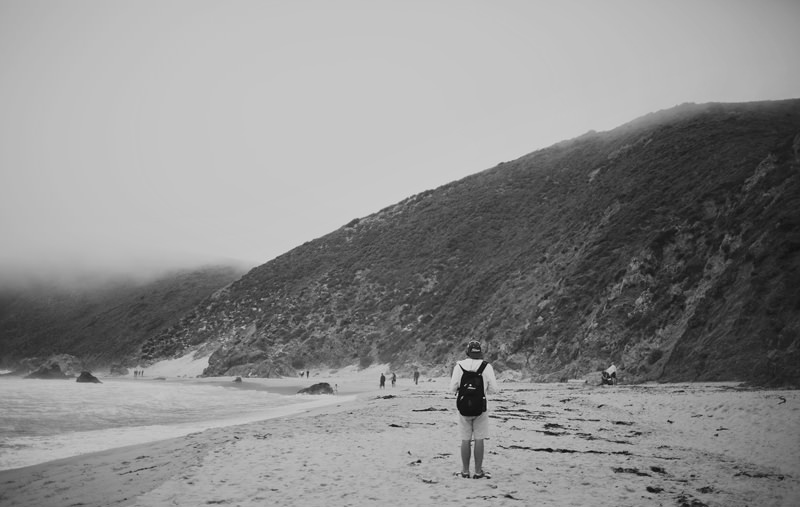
[
  {"x": 472, "y": 379},
  {"x": 383, "y": 381}
]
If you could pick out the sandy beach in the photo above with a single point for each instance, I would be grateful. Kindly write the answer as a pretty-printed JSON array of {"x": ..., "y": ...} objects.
[{"x": 552, "y": 444}]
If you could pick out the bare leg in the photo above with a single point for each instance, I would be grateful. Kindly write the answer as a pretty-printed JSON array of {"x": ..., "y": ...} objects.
[
  {"x": 478, "y": 456},
  {"x": 465, "y": 455}
]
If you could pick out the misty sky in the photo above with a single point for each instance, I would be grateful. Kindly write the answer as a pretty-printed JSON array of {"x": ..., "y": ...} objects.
[{"x": 142, "y": 133}]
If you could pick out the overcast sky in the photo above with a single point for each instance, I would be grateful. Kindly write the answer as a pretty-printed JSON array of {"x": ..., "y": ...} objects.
[{"x": 140, "y": 133}]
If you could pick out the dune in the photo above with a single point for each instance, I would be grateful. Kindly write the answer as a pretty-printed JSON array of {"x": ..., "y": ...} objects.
[{"x": 551, "y": 444}]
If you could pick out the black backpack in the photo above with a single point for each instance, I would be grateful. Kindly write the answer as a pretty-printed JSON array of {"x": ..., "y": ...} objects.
[{"x": 471, "y": 399}]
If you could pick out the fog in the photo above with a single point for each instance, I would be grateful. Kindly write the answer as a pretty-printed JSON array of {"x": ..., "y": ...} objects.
[{"x": 137, "y": 137}]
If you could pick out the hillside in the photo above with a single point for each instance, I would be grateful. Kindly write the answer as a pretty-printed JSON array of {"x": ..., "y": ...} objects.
[
  {"x": 101, "y": 324},
  {"x": 668, "y": 246}
]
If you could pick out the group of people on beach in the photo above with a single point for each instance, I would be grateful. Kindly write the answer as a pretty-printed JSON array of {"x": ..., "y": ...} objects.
[
  {"x": 138, "y": 373},
  {"x": 382, "y": 380}
]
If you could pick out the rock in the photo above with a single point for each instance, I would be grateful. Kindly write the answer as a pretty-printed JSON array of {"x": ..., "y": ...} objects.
[
  {"x": 85, "y": 376},
  {"x": 321, "y": 388},
  {"x": 238, "y": 380},
  {"x": 48, "y": 371},
  {"x": 69, "y": 366}
]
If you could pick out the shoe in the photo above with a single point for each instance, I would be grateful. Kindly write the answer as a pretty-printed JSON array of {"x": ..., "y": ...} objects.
[
  {"x": 465, "y": 475},
  {"x": 482, "y": 475}
]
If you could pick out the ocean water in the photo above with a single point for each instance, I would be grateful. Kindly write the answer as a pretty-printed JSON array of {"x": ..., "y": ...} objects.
[{"x": 44, "y": 420}]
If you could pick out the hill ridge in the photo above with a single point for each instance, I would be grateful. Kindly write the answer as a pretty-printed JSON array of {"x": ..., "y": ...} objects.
[
  {"x": 623, "y": 246},
  {"x": 667, "y": 246}
]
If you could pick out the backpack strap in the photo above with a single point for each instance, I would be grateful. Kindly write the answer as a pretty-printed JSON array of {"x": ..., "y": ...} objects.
[{"x": 480, "y": 369}]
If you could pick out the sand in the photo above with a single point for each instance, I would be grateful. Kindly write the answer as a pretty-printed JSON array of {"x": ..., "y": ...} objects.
[{"x": 552, "y": 444}]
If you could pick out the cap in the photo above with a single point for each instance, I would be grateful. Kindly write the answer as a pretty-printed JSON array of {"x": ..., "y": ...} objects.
[{"x": 474, "y": 350}]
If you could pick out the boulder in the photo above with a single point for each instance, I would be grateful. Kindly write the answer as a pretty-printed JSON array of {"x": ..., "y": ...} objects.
[
  {"x": 85, "y": 376},
  {"x": 321, "y": 388},
  {"x": 68, "y": 366},
  {"x": 48, "y": 371}
]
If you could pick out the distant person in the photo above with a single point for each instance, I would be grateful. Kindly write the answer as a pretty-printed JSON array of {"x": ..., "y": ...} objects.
[
  {"x": 394, "y": 379},
  {"x": 472, "y": 379},
  {"x": 416, "y": 377},
  {"x": 610, "y": 375},
  {"x": 308, "y": 374},
  {"x": 383, "y": 381}
]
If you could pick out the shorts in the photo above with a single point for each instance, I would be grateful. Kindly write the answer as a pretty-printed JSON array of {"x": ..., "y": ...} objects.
[{"x": 476, "y": 427}]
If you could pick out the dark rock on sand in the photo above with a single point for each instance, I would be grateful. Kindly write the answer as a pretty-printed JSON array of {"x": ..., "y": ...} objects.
[
  {"x": 321, "y": 388},
  {"x": 48, "y": 371},
  {"x": 85, "y": 376}
]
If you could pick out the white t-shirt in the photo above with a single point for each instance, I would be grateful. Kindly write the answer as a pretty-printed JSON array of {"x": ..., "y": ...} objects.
[{"x": 469, "y": 364}]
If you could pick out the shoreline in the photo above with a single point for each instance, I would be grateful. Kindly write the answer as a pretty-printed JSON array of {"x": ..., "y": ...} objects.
[
  {"x": 108, "y": 463},
  {"x": 37, "y": 450},
  {"x": 551, "y": 444}
]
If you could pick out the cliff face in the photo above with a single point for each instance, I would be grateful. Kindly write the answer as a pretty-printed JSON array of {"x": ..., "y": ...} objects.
[{"x": 668, "y": 246}]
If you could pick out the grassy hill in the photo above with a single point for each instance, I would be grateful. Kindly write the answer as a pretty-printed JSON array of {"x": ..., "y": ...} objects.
[
  {"x": 668, "y": 246},
  {"x": 101, "y": 324}
]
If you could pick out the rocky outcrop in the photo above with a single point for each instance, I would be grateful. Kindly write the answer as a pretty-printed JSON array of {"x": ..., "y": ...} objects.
[
  {"x": 48, "y": 372},
  {"x": 321, "y": 388},
  {"x": 68, "y": 364},
  {"x": 85, "y": 376}
]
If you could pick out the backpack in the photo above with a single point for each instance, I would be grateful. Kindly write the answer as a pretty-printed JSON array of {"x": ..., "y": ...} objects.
[{"x": 471, "y": 400}]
